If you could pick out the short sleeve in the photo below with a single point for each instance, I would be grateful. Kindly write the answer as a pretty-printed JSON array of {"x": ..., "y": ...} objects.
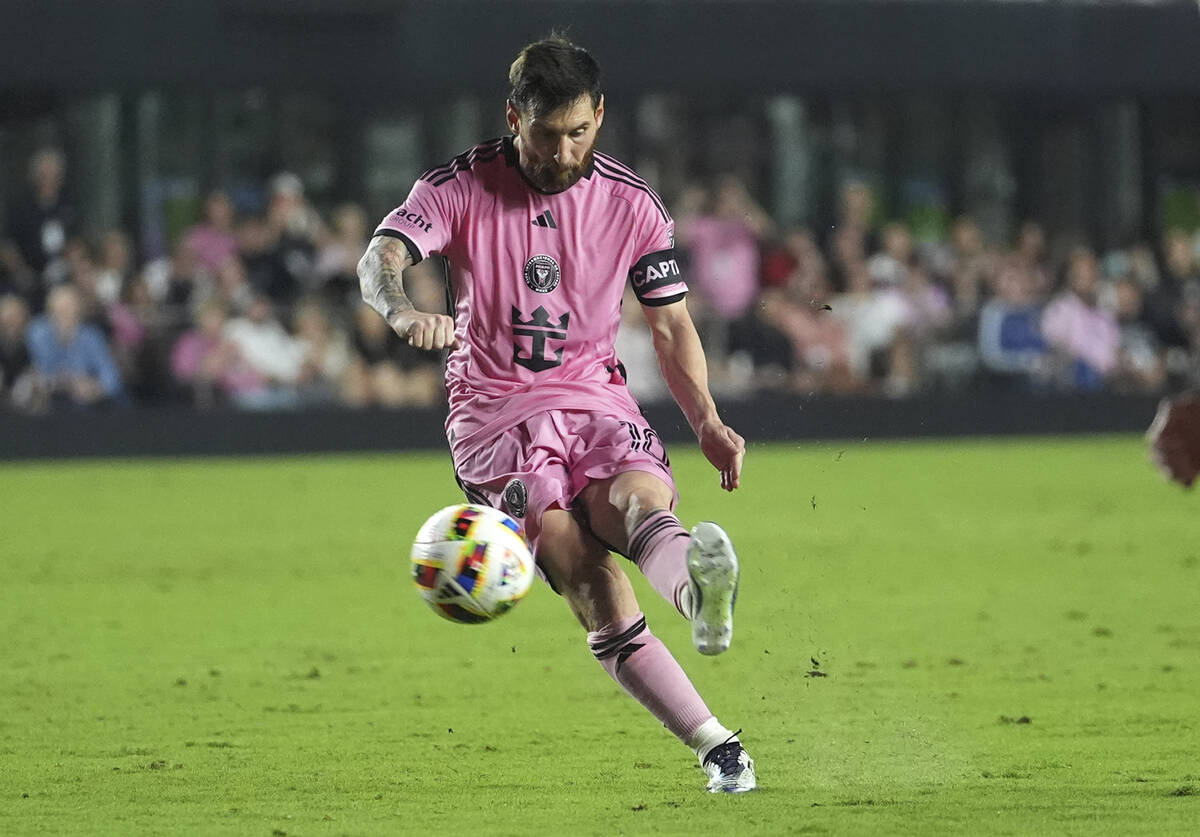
[
  {"x": 655, "y": 276},
  {"x": 426, "y": 219}
]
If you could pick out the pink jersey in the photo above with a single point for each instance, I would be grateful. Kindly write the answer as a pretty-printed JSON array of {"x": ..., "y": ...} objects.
[{"x": 536, "y": 281}]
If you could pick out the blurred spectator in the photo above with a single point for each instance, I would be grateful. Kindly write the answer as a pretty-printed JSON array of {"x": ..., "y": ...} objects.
[
  {"x": 1188, "y": 370},
  {"x": 1011, "y": 347},
  {"x": 208, "y": 364},
  {"x": 41, "y": 223},
  {"x": 387, "y": 371},
  {"x": 212, "y": 241},
  {"x": 889, "y": 265},
  {"x": 1030, "y": 250},
  {"x": 819, "y": 348},
  {"x": 257, "y": 254},
  {"x": 274, "y": 355},
  {"x": 337, "y": 260},
  {"x": 872, "y": 318},
  {"x": 926, "y": 315},
  {"x": 1085, "y": 336},
  {"x": 115, "y": 268},
  {"x": 293, "y": 229},
  {"x": 852, "y": 237},
  {"x": 142, "y": 332},
  {"x": 71, "y": 360},
  {"x": 172, "y": 281},
  {"x": 795, "y": 251},
  {"x": 856, "y": 211},
  {"x": 792, "y": 266},
  {"x": 84, "y": 275},
  {"x": 1164, "y": 303},
  {"x": 327, "y": 356},
  {"x": 969, "y": 271},
  {"x": 1140, "y": 359},
  {"x": 16, "y": 277},
  {"x": 847, "y": 256},
  {"x": 14, "y": 354},
  {"x": 721, "y": 233},
  {"x": 233, "y": 286}
]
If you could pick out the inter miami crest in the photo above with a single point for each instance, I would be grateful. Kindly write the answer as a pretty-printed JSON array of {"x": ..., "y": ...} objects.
[
  {"x": 516, "y": 497},
  {"x": 542, "y": 274}
]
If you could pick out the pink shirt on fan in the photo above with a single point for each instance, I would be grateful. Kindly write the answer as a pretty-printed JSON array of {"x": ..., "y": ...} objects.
[
  {"x": 724, "y": 263},
  {"x": 1087, "y": 333},
  {"x": 536, "y": 282}
]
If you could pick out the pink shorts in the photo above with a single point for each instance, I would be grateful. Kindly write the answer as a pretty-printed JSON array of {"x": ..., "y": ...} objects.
[{"x": 546, "y": 460}]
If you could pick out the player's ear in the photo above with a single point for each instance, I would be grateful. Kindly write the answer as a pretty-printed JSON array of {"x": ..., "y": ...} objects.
[
  {"x": 600, "y": 112},
  {"x": 513, "y": 117}
]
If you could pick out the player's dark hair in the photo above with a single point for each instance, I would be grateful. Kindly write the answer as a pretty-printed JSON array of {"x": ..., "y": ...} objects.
[{"x": 551, "y": 73}]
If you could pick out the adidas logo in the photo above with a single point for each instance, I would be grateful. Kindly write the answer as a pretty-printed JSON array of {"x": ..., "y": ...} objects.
[{"x": 545, "y": 220}]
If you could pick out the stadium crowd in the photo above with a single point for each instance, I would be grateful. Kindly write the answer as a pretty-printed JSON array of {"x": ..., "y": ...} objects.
[{"x": 262, "y": 311}]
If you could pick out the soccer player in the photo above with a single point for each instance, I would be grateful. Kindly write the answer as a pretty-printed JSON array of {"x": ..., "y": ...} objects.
[{"x": 542, "y": 232}]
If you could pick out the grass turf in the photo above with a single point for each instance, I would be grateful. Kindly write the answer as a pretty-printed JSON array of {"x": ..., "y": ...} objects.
[{"x": 955, "y": 637}]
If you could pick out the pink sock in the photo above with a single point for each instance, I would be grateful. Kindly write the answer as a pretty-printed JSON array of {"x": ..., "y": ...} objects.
[
  {"x": 658, "y": 545},
  {"x": 644, "y": 667}
]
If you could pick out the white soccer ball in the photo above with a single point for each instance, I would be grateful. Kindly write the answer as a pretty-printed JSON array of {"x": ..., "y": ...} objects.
[{"x": 471, "y": 564}]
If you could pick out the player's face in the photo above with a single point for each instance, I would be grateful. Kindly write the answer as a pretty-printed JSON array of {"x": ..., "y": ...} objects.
[{"x": 556, "y": 148}]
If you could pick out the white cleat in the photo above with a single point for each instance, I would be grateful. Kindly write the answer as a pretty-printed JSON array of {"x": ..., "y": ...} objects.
[
  {"x": 730, "y": 769},
  {"x": 712, "y": 584}
]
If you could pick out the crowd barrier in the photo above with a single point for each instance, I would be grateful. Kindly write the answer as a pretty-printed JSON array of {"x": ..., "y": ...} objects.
[{"x": 186, "y": 432}]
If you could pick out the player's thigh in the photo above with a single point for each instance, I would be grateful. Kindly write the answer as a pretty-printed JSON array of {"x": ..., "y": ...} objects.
[
  {"x": 580, "y": 568},
  {"x": 613, "y": 506},
  {"x": 619, "y": 472}
]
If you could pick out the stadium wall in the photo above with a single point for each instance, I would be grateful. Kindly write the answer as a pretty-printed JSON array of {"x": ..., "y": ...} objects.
[
  {"x": 423, "y": 49},
  {"x": 180, "y": 432}
]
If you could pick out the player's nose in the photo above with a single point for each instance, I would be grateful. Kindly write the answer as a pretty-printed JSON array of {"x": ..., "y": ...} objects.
[{"x": 563, "y": 155}]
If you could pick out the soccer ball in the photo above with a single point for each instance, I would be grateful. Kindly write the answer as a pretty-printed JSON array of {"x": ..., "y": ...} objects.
[{"x": 471, "y": 564}]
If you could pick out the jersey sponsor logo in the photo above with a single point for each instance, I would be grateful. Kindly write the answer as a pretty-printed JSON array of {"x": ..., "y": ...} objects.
[
  {"x": 539, "y": 329},
  {"x": 655, "y": 270},
  {"x": 516, "y": 498},
  {"x": 542, "y": 274},
  {"x": 414, "y": 218}
]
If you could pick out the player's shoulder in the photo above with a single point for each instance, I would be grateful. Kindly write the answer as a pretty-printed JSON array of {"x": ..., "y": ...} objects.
[
  {"x": 467, "y": 163},
  {"x": 624, "y": 182}
]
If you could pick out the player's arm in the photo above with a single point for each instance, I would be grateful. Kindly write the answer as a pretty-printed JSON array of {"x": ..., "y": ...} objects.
[
  {"x": 381, "y": 279},
  {"x": 681, "y": 359}
]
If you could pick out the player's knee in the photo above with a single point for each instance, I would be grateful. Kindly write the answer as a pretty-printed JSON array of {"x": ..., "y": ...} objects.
[
  {"x": 637, "y": 499},
  {"x": 591, "y": 572}
]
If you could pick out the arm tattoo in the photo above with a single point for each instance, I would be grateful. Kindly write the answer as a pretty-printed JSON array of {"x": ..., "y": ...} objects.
[{"x": 380, "y": 276}]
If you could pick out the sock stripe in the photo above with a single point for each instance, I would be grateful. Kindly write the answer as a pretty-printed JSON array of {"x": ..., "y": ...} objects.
[
  {"x": 654, "y": 524},
  {"x": 638, "y": 545},
  {"x": 607, "y": 648}
]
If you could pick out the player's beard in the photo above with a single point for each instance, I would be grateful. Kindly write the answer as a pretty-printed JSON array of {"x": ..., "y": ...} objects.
[{"x": 549, "y": 176}]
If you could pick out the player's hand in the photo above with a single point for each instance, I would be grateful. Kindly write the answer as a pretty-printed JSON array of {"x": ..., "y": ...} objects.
[
  {"x": 431, "y": 332},
  {"x": 1174, "y": 438},
  {"x": 725, "y": 449}
]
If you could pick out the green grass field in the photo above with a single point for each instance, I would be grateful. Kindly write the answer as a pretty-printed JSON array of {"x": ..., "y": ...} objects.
[{"x": 945, "y": 637}]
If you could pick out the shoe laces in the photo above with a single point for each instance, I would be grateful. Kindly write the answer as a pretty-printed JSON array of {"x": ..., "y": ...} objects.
[{"x": 726, "y": 755}]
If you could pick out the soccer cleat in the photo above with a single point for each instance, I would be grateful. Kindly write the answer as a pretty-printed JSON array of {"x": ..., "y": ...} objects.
[
  {"x": 712, "y": 585},
  {"x": 730, "y": 769}
]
